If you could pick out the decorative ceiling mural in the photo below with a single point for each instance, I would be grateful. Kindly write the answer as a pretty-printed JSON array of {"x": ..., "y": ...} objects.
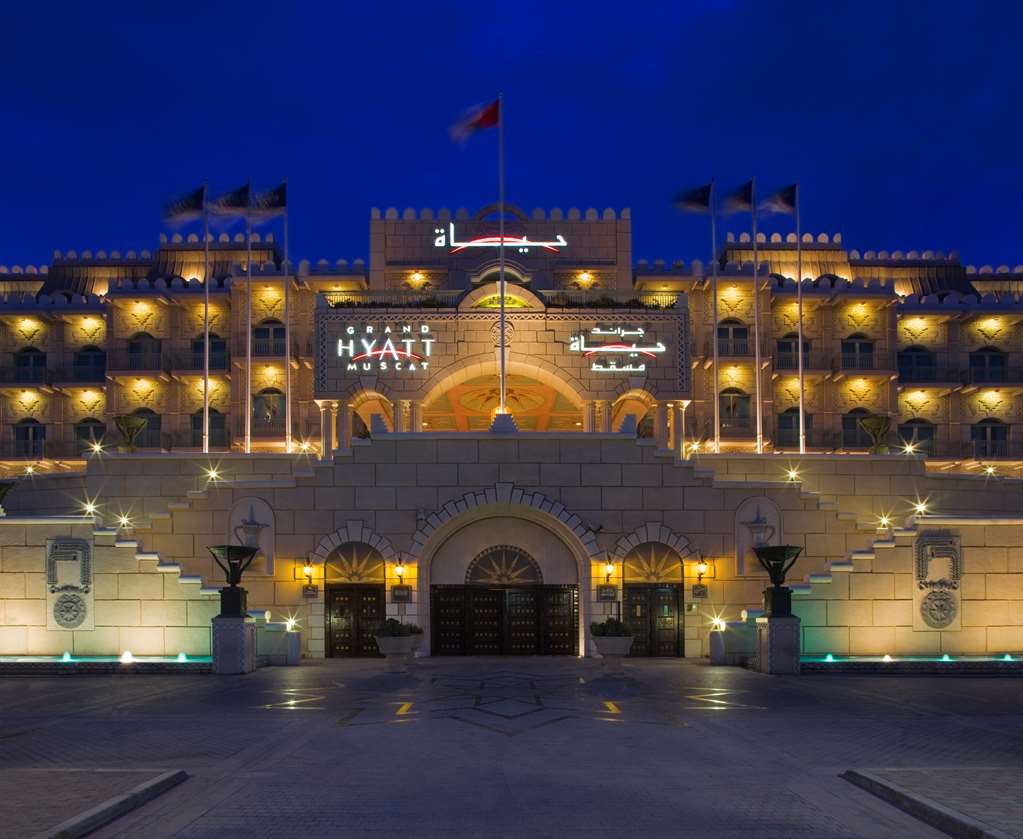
[{"x": 470, "y": 405}]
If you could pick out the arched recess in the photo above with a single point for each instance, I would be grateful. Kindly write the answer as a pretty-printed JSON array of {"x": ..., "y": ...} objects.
[
  {"x": 505, "y": 500},
  {"x": 486, "y": 290},
  {"x": 518, "y": 364},
  {"x": 367, "y": 401},
  {"x": 635, "y": 402},
  {"x": 354, "y": 531},
  {"x": 652, "y": 532}
]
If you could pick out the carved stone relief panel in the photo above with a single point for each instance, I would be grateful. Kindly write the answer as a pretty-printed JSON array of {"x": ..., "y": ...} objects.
[
  {"x": 757, "y": 523},
  {"x": 69, "y": 592},
  {"x": 936, "y": 582}
]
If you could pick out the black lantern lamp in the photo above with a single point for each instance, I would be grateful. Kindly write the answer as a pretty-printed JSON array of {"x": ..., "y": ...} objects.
[
  {"x": 233, "y": 560},
  {"x": 777, "y": 560}
]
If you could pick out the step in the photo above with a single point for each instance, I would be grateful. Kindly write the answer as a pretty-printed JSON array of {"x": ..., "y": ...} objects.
[
  {"x": 841, "y": 565},
  {"x": 820, "y": 579},
  {"x": 208, "y": 590},
  {"x": 159, "y": 516},
  {"x": 104, "y": 531},
  {"x": 126, "y": 543},
  {"x": 168, "y": 567},
  {"x": 827, "y": 505},
  {"x": 190, "y": 578},
  {"x": 801, "y": 589},
  {"x": 304, "y": 473},
  {"x": 179, "y": 505},
  {"x": 141, "y": 555},
  {"x": 884, "y": 543},
  {"x": 847, "y": 517},
  {"x": 867, "y": 554},
  {"x": 198, "y": 493}
]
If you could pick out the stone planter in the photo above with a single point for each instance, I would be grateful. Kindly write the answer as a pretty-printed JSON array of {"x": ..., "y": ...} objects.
[
  {"x": 612, "y": 648},
  {"x": 396, "y": 649}
]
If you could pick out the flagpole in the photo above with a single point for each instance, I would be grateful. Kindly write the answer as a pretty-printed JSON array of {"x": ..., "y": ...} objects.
[
  {"x": 248, "y": 323},
  {"x": 756, "y": 320},
  {"x": 287, "y": 337},
  {"x": 500, "y": 248},
  {"x": 714, "y": 333},
  {"x": 206, "y": 321},
  {"x": 799, "y": 317}
]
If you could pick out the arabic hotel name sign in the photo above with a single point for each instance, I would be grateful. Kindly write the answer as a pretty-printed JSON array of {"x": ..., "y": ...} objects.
[
  {"x": 403, "y": 348},
  {"x": 617, "y": 349}
]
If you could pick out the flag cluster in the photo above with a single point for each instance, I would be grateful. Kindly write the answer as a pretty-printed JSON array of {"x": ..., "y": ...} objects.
[
  {"x": 240, "y": 202},
  {"x": 699, "y": 200}
]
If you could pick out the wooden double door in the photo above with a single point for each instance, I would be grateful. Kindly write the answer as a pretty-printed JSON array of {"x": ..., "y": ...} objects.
[
  {"x": 652, "y": 612},
  {"x": 511, "y": 620},
  {"x": 353, "y": 614}
]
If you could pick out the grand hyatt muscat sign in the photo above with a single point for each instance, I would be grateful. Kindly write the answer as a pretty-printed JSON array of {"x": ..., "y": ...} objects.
[{"x": 402, "y": 348}]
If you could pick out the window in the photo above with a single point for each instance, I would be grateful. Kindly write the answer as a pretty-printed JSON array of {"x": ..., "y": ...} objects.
[
  {"x": 268, "y": 413},
  {"x": 90, "y": 365},
  {"x": 143, "y": 352},
  {"x": 733, "y": 338},
  {"x": 990, "y": 438},
  {"x": 150, "y": 437},
  {"x": 917, "y": 364},
  {"x": 854, "y": 437},
  {"x": 29, "y": 365},
  {"x": 858, "y": 353},
  {"x": 988, "y": 364},
  {"x": 788, "y": 352},
  {"x": 919, "y": 434},
  {"x": 89, "y": 432},
  {"x": 268, "y": 338},
  {"x": 218, "y": 353},
  {"x": 218, "y": 428},
  {"x": 788, "y": 427},
  {"x": 29, "y": 438},
  {"x": 735, "y": 410}
]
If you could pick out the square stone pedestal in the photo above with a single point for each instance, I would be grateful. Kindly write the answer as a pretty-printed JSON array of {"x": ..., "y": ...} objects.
[
  {"x": 778, "y": 646},
  {"x": 234, "y": 645}
]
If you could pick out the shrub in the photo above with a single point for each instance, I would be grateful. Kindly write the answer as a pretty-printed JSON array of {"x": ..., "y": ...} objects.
[
  {"x": 392, "y": 628},
  {"x": 609, "y": 628}
]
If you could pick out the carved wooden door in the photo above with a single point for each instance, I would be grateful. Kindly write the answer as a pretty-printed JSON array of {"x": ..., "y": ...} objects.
[{"x": 353, "y": 613}]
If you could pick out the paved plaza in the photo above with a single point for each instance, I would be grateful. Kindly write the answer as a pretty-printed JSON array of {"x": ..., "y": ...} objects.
[{"x": 505, "y": 747}]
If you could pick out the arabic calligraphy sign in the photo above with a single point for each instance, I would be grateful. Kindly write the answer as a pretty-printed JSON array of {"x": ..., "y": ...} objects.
[
  {"x": 616, "y": 349},
  {"x": 523, "y": 244}
]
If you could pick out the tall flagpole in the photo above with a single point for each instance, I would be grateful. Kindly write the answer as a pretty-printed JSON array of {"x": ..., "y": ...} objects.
[
  {"x": 799, "y": 317},
  {"x": 714, "y": 332},
  {"x": 248, "y": 323},
  {"x": 287, "y": 335},
  {"x": 500, "y": 248},
  {"x": 206, "y": 321},
  {"x": 756, "y": 320}
]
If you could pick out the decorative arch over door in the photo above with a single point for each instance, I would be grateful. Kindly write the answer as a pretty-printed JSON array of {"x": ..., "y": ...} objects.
[
  {"x": 503, "y": 565},
  {"x": 652, "y": 562},
  {"x": 354, "y": 562}
]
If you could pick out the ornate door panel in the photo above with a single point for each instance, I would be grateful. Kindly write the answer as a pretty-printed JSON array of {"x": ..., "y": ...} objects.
[
  {"x": 652, "y": 613},
  {"x": 522, "y": 622},
  {"x": 449, "y": 625},
  {"x": 353, "y": 613},
  {"x": 486, "y": 621},
  {"x": 559, "y": 620}
]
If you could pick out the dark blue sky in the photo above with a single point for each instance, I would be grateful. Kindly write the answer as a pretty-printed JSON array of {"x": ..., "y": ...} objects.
[{"x": 902, "y": 120}]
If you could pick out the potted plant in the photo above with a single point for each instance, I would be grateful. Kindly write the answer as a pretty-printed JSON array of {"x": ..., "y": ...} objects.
[
  {"x": 613, "y": 640},
  {"x": 877, "y": 427},
  {"x": 396, "y": 641},
  {"x": 130, "y": 426}
]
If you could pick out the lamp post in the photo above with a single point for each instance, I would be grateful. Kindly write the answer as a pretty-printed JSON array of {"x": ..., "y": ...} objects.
[
  {"x": 233, "y": 560},
  {"x": 777, "y": 561}
]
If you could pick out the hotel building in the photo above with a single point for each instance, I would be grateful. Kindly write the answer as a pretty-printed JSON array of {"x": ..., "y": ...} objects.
[{"x": 636, "y": 483}]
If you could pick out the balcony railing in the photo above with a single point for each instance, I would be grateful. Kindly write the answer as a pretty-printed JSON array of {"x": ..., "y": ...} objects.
[
  {"x": 25, "y": 376},
  {"x": 267, "y": 428},
  {"x": 730, "y": 347},
  {"x": 264, "y": 347},
  {"x": 37, "y": 449},
  {"x": 923, "y": 375},
  {"x": 736, "y": 426},
  {"x": 811, "y": 361},
  {"x": 993, "y": 375},
  {"x": 859, "y": 361},
  {"x": 86, "y": 374},
  {"x": 448, "y": 298},
  {"x": 141, "y": 362},
  {"x": 196, "y": 361}
]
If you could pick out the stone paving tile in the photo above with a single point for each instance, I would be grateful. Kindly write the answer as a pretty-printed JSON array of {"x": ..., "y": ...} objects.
[
  {"x": 34, "y": 800},
  {"x": 992, "y": 796}
]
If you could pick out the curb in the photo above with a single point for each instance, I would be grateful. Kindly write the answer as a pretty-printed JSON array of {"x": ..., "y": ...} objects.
[
  {"x": 925, "y": 809},
  {"x": 114, "y": 807}
]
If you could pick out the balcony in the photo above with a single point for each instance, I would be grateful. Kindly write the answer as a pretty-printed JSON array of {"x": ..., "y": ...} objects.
[
  {"x": 737, "y": 426},
  {"x": 811, "y": 361},
  {"x": 12, "y": 376},
  {"x": 930, "y": 375},
  {"x": 81, "y": 374},
  {"x": 994, "y": 375},
  {"x": 39, "y": 449},
  {"x": 730, "y": 348},
  {"x": 135, "y": 362},
  {"x": 195, "y": 362}
]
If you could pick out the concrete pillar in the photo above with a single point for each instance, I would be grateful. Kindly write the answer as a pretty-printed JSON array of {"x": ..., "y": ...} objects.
[
  {"x": 661, "y": 425},
  {"x": 396, "y": 419},
  {"x": 588, "y": 419},
  {"x": 335, "y": 436},
  {"x": 417, "y": 416},
  {"x": 343, "y": 421},
  {"x": 604, "y": 409},
  {"x": 326, "y": 430}
]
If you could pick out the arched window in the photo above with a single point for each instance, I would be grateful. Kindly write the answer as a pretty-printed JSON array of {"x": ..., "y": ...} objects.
[
  {"x": 853, "y": 436},
  {"x": 788, "y": 427},
  {"x": 144, "y": 352},
  {"x": 990, "y": 438},
  {"x": 150, "y": 438},
  {"x": 268, "y": 413},
  {"x": 88, "y": 432},
  {"x": 788, "y": 352},
  {"x": 857, "y": 352},
  {"x": 989, "y": 365},
  {"x": 735, "y": 410},
  {"x": 29, "y": 365},
  {"x": 29, "y": 438},
  {"x": 917, "y": 364},
  {"x": 918, "y": 433},
  {"x": 90, "y": 365},
  {"x": 268, "y": 338},
  {"x": 218, "y": 353},
  {"x": 733, "y": 337},
  {"x": 218, "y": 428}
]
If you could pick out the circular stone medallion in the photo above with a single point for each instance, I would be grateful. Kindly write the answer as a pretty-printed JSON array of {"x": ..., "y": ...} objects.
[
  {"x": 69, "y": 611},
  {"x": 938, "y": 609}
]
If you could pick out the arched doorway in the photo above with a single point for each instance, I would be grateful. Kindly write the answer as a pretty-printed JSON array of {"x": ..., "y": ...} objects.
[
  {"x": 503, "y": 585},
  {"x": 354, "y": 595},
  {"x": 652, "y": 598}
]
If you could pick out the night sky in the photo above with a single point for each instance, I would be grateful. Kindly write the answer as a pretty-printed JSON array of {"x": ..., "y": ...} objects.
[{"x": 901, "y": 120}]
